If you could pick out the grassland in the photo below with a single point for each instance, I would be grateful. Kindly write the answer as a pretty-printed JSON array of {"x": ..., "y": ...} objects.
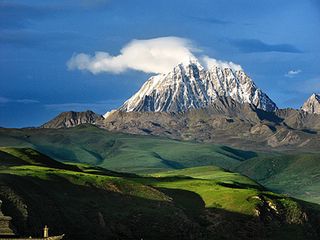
[
  {"x": 217, "y": 188},
  {"x": 88, "y": 144},
  {"x": 88, "y": 202},
  {"x": 122, "y": 152},
  {"x": 294, "y": 174}
]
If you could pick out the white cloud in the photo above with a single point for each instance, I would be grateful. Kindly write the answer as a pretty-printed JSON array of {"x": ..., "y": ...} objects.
[
  {"x": 293, "y": 73},
  {"x": 211, "y": 62},
  {"x": 157, "y": 55}
]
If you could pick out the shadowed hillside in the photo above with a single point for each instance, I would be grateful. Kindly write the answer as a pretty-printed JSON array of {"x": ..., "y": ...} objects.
[
  {"x": 295, "y": 174},
  {"x": 195, "y": 203},
  {"x": 122, "y": 152}
]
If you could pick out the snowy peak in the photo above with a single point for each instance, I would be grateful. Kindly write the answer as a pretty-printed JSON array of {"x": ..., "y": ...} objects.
[
  {"x": 190, "y": 85},
  {"x": 312, "y": 105}
]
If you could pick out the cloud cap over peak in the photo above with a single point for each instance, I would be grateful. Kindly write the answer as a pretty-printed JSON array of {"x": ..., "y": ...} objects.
[{"x": 156, "y": 55}]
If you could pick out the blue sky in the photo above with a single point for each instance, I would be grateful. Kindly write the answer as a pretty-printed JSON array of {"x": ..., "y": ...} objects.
[{"x": 275, "y": 41}]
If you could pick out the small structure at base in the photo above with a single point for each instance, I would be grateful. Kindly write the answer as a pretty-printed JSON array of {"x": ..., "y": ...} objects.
[
  {"x": 7, "y": 232},
  {"x": 6, "y": 228}
]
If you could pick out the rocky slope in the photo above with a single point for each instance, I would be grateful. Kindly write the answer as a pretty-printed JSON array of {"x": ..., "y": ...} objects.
[
  {"x": 312, "y": 105},
  {"x": 191, "y": 86},
  {"x": 225, "y": 122},
  {"x": 299, "y": 119},
  {"x": 71, "y": 119}
]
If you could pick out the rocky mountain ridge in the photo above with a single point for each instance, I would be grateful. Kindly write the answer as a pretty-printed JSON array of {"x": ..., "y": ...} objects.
[
  {"x": 312, "y": 105},
  {"x": 71, "y": 119},
  {"x": 225, "y": 122}
]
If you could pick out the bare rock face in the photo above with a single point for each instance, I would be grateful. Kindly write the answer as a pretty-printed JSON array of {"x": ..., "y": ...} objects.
[
  {"x": 312, "y": 105},
  {"x": 72, "y": 119},
  {"x": 225, "y": 122},
  {"x": 299, "y": 119},
  {"x": 191, "y": 86}
]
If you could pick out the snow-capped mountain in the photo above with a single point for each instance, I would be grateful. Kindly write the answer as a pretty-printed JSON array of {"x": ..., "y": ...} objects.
[
  {"x": 312, "y": 105},
  {"x": 190, "y": 85}
]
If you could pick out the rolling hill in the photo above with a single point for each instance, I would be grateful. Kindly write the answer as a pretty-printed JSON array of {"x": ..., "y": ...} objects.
[
  {"x": 194, "y": 203},
  {"x": 279, "y": 171},
  {"x": 294, "y": 174},
  {"x": 122, "y": 152}
]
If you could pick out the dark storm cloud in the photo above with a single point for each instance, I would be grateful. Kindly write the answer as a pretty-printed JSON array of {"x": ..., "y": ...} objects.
[
  {"x": 17, "y": 15},
  {"x": 99, "y": 107},
  {"x": 210, "y": 20},
  {"x": 256, "y": 45},
  {"x": 13, "y": 15},
  {"x": 29, "y": 38}
]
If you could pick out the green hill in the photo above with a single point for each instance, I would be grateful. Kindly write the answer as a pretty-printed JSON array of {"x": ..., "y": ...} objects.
[
  {"x": 147, "y": 154},
  {"x": 295, "y": 174},
  {"x": 195, "y": 203},
  {"x": 27, "y": 156},
  {"x": 122, "y": 152}
]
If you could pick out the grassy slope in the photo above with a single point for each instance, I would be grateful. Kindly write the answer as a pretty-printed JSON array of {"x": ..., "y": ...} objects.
[
  {"x": 121, "y": 152},
  {"x": 297, "y": 175},
  {"x": 195, "y": 203},
  {"x": 83, "y": 204},
  {"x": 218, "y": 188},
  {"x": 147, "y": 154}
]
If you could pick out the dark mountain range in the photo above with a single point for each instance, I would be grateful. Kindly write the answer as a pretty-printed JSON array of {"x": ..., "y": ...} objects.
[
  {"x": 225, "y": 122},
  {"x": 71, "y": 119}
]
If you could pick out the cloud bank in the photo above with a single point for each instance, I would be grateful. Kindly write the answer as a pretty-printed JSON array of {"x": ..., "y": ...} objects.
[
  {"x": 157, "y": 55},
  {"x": 4, "y": 100}
]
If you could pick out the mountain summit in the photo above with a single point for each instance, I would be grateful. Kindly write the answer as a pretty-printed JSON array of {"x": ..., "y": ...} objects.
[
  {"x": 191, "y": 86},
  {"x": 72, "y": 119},
  {"x": 312, "y": 105}
]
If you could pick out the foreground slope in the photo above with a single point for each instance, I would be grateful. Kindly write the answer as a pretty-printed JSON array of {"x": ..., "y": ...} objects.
[{"x": 195, "y": 203}]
